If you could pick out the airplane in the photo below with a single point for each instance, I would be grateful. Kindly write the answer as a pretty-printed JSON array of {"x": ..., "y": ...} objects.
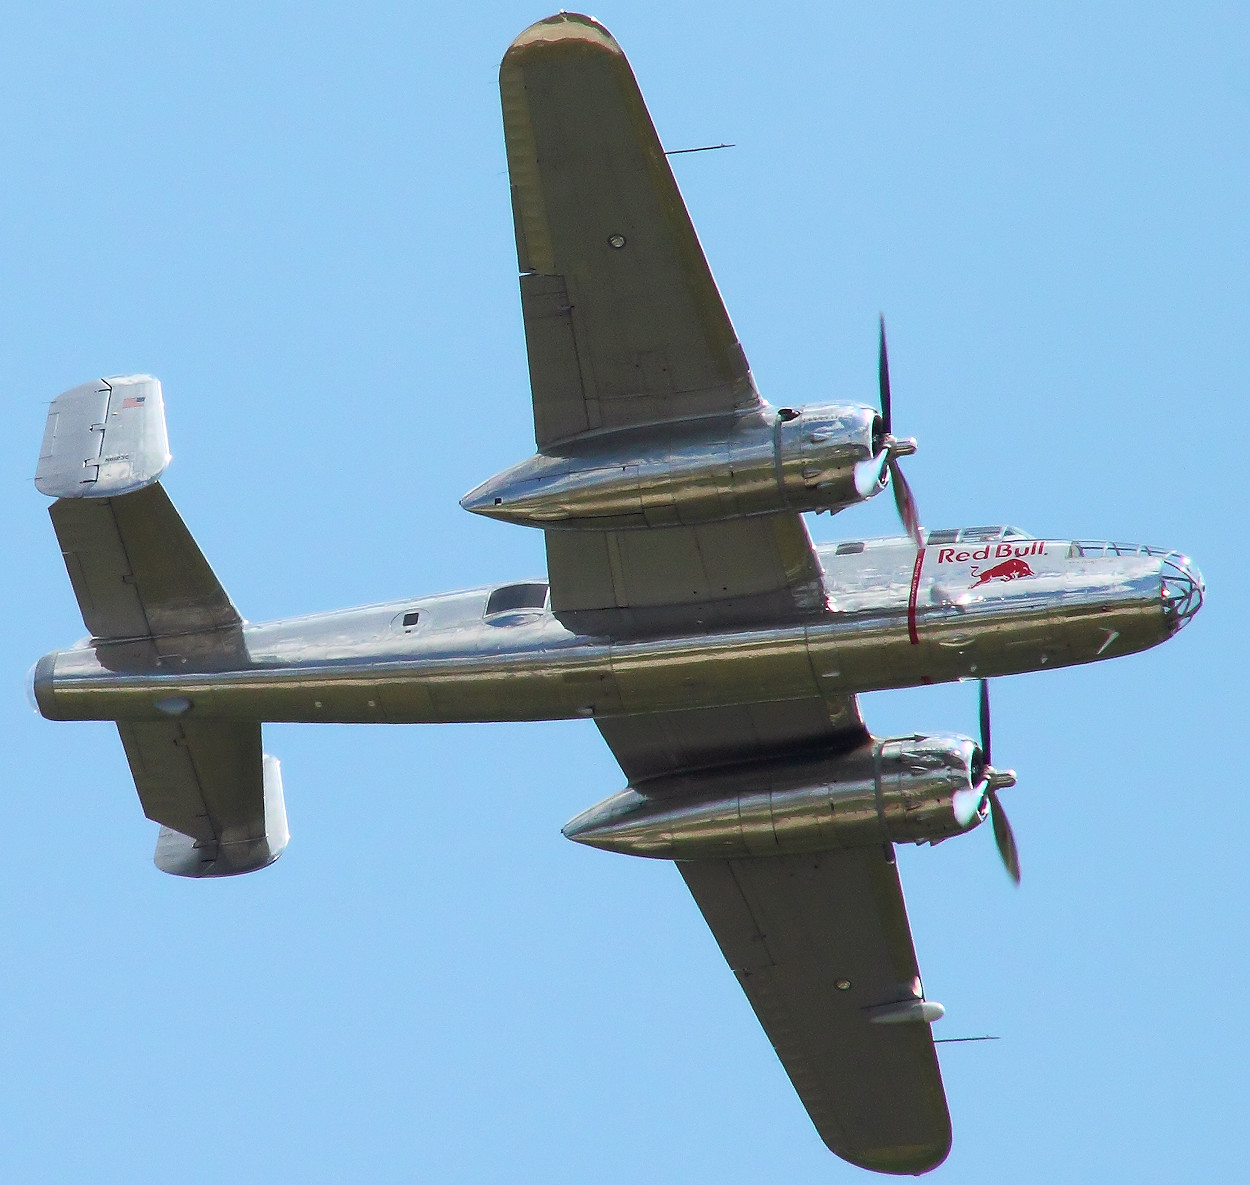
[{"x": 686, "y": 612}]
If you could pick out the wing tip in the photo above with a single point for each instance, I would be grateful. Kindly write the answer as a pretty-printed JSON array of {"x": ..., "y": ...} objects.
[
  {"x": 909, "y": 1160},
  {"x": 564, "y": 27}
]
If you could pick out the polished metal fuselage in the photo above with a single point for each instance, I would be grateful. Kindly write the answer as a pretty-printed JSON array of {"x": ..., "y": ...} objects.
[{"x": 894, "y": 617}]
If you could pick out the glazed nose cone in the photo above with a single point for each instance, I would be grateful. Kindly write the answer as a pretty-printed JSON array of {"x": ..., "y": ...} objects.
[{"x": 1182, "y": 590}]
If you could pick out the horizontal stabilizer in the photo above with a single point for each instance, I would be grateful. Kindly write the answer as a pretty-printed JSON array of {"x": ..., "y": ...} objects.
[
  {"x": 138, "y": 574},
  {"x": 183, "y": 856},
  {"x": 217, "y": 797},
  {"x": 104, "y": 438}
]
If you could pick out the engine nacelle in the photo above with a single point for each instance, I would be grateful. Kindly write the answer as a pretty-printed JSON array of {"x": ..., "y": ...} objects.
[
  {"x": 693, "y": 472},
  {"x": 904, "y": 790}
]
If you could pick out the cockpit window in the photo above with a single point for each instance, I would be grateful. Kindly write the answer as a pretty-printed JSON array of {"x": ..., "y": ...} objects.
[
  {"x": 512, "y": 597},
  {"x": 975, "y": 535},
  {"x": 980, "y": 534}
]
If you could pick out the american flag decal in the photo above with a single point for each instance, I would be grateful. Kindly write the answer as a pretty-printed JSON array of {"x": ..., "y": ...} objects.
[{"x": 133, "y": 401}]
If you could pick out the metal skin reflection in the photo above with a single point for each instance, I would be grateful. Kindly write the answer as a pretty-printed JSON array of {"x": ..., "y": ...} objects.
[
  {"x": 812, "y": 459},
  {"x": 881, "y": 629},
  {"x": 909, "y": 789}
]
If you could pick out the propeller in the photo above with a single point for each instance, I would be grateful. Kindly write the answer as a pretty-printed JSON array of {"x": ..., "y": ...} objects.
[
  {"x": 993, "y": 781},
  {"x": 871, "y": 473}
]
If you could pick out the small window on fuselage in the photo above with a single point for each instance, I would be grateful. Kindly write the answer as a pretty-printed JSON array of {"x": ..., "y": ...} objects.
[
  {"x": 849, "y": 549},
  {"x": 513, "y": 597},
  {"x": 411, "y": 619}
]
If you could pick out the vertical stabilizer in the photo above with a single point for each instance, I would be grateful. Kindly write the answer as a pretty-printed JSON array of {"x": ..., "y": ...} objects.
[{"x": 104, "y": 438}]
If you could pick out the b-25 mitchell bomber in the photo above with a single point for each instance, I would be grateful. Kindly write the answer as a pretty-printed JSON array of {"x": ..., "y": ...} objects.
[{"x": 686, "y": 612}]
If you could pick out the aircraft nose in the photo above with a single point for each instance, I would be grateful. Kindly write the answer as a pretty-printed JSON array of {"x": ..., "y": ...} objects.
[{"x": 1183, "y": 590}]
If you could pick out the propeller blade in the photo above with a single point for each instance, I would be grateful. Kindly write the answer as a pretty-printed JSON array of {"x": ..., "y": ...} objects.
[
  {"x": 906, "y": 504},
  {"x": 883, "y": 379},
  {"x": 1004, "y": 837},
  {"x": 985, "y": 721}
]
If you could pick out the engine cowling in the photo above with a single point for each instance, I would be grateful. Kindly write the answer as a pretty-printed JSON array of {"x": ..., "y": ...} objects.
[
  {"x": 693, "y": 472},
  {"x": 903, "y": 790}
]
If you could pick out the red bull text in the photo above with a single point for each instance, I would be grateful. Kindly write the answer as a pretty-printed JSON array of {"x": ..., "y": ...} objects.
[{"x": 998, "y": 551}]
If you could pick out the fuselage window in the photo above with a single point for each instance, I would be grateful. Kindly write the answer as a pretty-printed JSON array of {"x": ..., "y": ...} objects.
[
  {"x": 411, "y": 619},
  {"x": 512, "y": 597},
  {"x": 849, "y": 549}
]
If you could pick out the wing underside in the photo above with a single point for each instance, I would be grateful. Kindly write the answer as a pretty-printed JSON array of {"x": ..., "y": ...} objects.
[
  {"x": 623, "y": 320},
  {"x": 650, "y": 745},
  {"x": 818, "y": 942},
  {"x": 625, "y": 328},
  {"x": 674, "y": 579}
]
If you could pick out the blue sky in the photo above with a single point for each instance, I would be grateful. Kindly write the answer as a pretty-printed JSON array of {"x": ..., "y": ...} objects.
[{"x": 297, "y": 217}]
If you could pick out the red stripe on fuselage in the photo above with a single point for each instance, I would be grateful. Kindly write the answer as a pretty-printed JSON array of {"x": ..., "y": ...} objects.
[{"x": 911, "y": 599}]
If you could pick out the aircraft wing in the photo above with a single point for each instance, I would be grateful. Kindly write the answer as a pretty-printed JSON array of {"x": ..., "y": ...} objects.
[
  {"x": 660, "y": 744},
  {"x": 625, "y": 329},
  {"x": 623, "y": 322},
  {"x": 818, "y": 942},
  {"x": 671, "y": 579},
  {"x": 628, "y": 335}
]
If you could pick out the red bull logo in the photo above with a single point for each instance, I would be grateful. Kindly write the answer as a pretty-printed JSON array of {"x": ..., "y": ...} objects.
[
  {"x": 1012, "y": 569},
  {"x": 1012, "y": 559}
]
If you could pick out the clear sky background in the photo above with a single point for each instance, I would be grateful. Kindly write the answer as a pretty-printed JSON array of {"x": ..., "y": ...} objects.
[{"x": 296, "y": 215}]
